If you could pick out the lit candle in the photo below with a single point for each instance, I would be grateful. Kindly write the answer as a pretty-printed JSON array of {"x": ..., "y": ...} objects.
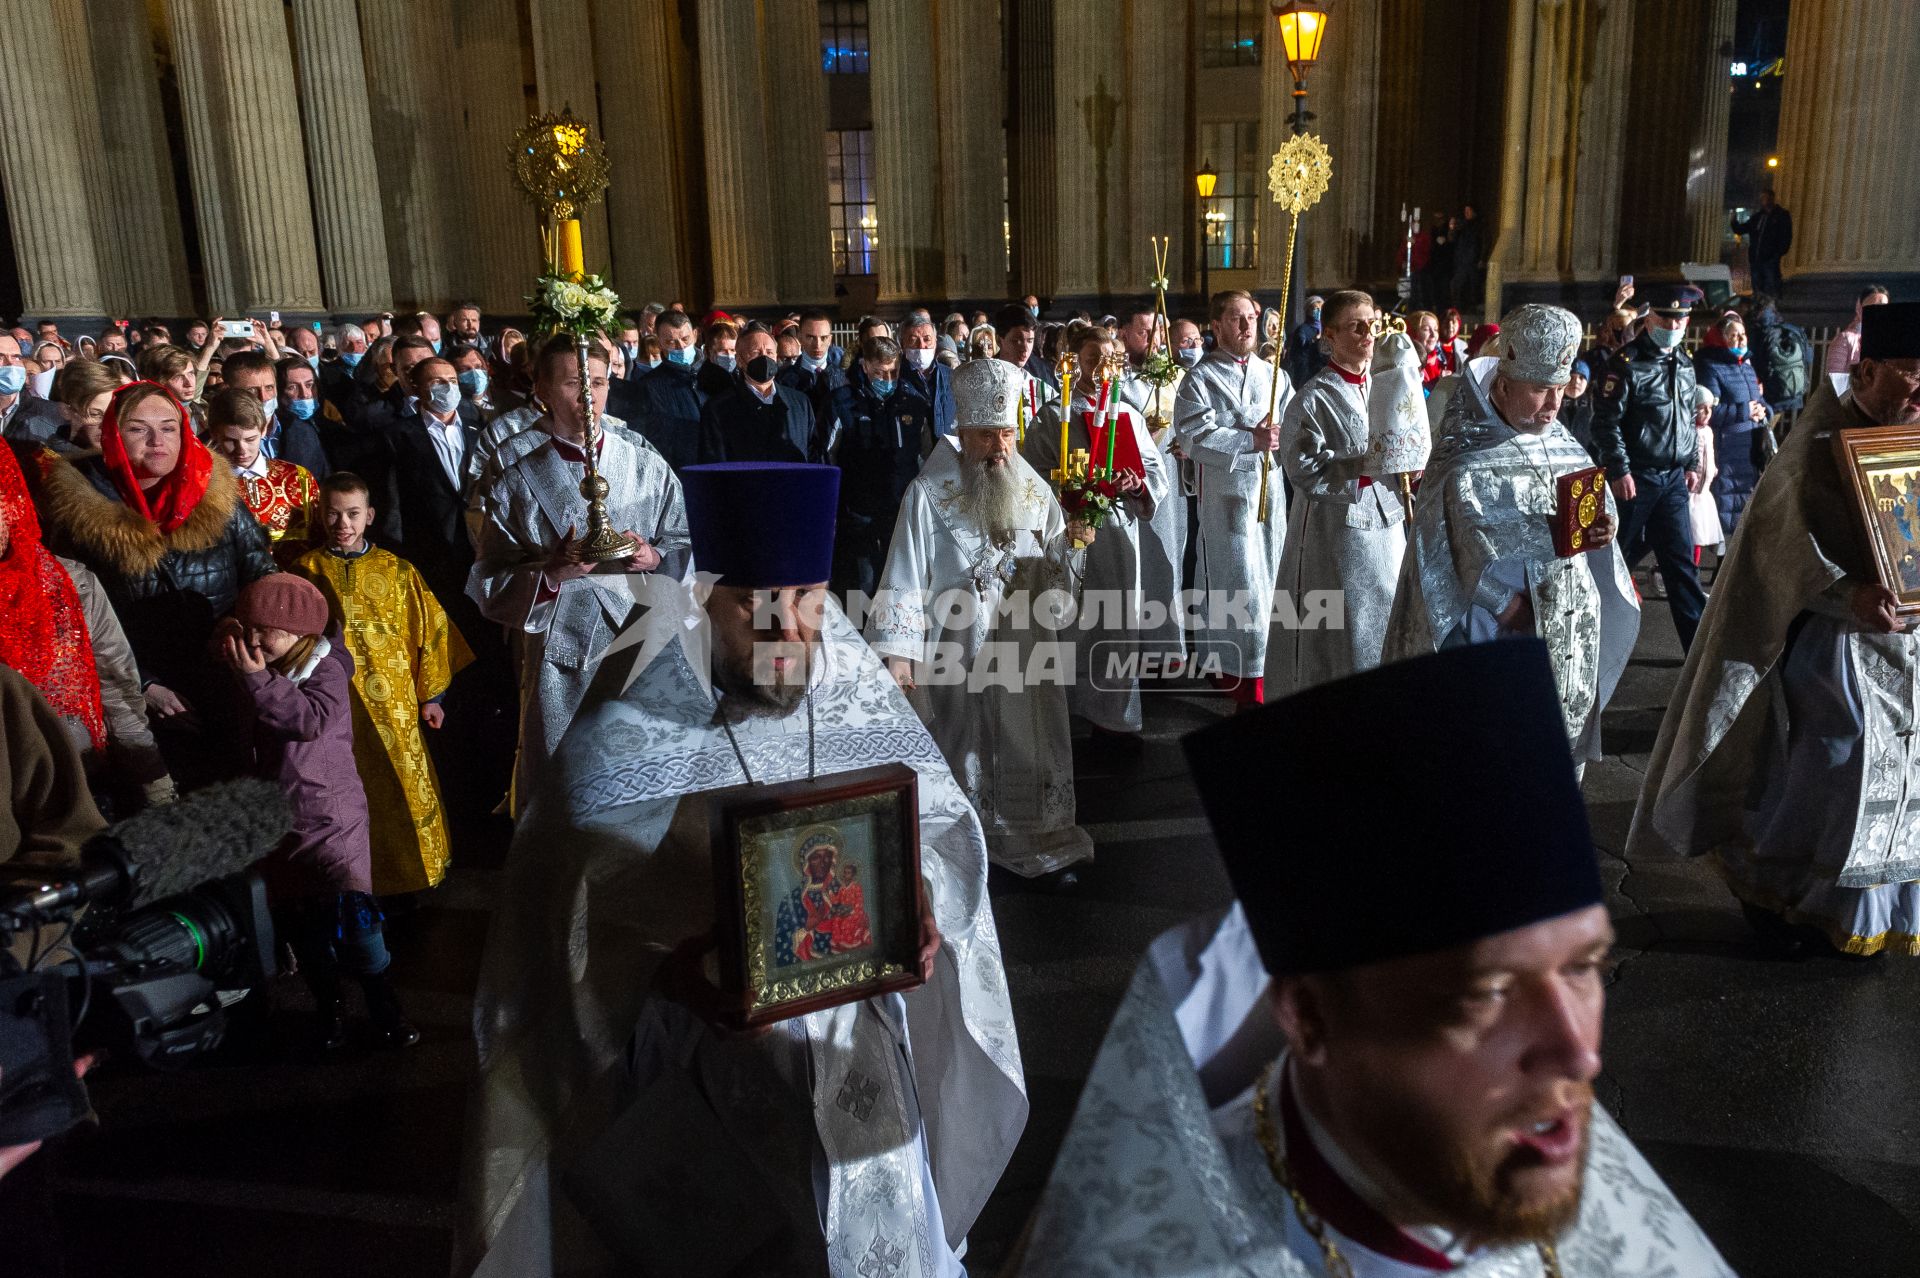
[
  {"x": 573, "y": 260},
  {"x": 1020, "y": 420}
]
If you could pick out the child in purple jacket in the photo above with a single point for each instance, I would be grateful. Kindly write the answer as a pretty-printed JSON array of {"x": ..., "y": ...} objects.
[{"x": 319, "y": 882}]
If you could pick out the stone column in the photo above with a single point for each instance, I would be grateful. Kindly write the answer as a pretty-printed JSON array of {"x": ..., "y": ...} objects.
[
  {"x": 138, "y": 161},
  {"x": 1850, "y": 137},
  {"x": 1565, "y": 142},
  {"x": 110, "y": 259},
  {"x": 1030, "y": 151},
  {"x": 636, "y": 43},
  {"x": 237, "y": 91},
  {"x": 408, "y": 47},
  {"x": 1674, "y": 178},
  {"x": 1276, "y": 126},
  {"x": 346, "y": 185},
  {"x": 1346, "y": 91},
  {"x": 970, "y": 108},
  {"x": 1157, "y": 176},
  {"x": 739, "y": 205},
  {"x": 906, "y": 151},
  {"x": 796, "y": 101},
  {"x": 46, "y": 201},
  {"x": 504, "y": 229},
  {"x": 1090, "y": 159},
  {"x": 564, "y": 76}
]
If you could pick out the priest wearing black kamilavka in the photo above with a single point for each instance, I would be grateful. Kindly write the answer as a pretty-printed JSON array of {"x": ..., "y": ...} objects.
[
  {"x": 1380, "y": 1062},
  {"x": 1788, "y": 752}
]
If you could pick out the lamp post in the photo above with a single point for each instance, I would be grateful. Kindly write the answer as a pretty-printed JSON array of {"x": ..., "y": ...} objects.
[
  {"x": 1303, "y": 24},
  {"x": 1203, "y": 182}
]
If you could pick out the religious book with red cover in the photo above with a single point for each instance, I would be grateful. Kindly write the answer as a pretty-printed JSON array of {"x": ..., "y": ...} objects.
[
  {"x": 1126, "y": 445},
  {"x": 1582, "y": 500}
]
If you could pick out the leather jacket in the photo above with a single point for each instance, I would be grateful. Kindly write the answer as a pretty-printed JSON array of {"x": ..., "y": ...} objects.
[{"x": 1643, "y": 410}]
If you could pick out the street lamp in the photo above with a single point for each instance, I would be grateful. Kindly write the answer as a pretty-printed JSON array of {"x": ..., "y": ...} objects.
[
  {"x": 1303, "y": 24},
  {"x": 1203, "y": 182}
]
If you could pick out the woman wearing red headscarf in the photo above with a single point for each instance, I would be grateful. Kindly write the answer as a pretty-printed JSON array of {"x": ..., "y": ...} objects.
[
  {"x": 43, "y": 631},
  {"x": 159, "y": 520}
]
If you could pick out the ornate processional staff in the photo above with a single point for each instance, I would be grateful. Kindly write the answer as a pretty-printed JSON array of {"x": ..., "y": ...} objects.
[
  {"x": 1301, "y": 169},
  {"x": 563, "y": 168}
]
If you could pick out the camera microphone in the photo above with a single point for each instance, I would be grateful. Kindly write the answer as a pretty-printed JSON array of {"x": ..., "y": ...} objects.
[{"x": 165, "y": 849}]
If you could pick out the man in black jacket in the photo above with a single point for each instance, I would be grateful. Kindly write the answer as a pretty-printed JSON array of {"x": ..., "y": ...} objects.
[
  {"x": 923, "y": 380},
  {"x": 878, "y": 454},
  {"x": 1643, "y": 429},
  {"x": 759, "y": 419},
  {"x": 670, "y": 398},
  {"x": 287, "y": 436},
  {"x": 817, "y": 376},
  {"x": 1769, "y": 235},
  {"x": 430, "y": 446}
]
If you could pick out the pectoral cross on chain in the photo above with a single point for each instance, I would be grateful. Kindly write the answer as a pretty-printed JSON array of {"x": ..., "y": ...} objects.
[{"x": 857, "y": 1096}]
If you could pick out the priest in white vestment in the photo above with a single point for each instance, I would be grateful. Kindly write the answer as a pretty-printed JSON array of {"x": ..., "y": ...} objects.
[
  {"x": 1226, "y": 420},
  {"x": 617, "y": 1131},
  {"x": 1301, "y": 1088},
  {"x": 973, "y": 618},
  {"x": 1163, "y": 539},
  {"x": 1789, "y": 751},
  {"x": 1481, "y": 562},
  {"x": 528, "y": 574},
  {"x": 1346, "y": 531},
  {"x": 1108, "y": 635}
]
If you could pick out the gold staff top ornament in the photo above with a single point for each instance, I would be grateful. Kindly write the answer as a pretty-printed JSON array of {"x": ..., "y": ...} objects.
[
  {"x": 559, "y": 164},
  {"x": 1302, "y": 167}
]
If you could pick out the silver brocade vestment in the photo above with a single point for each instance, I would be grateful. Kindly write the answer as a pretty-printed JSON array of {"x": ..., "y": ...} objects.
[
  {"x": 1151, "y": 1183},
  {"x": 609, "y": 871},
  {"x": 1483, "y": 530}
]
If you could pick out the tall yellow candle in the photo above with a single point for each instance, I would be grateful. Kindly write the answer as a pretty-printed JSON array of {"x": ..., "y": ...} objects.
[
  {"x": 1065, "y": 417},
  {"x": 573, "y": 259}
]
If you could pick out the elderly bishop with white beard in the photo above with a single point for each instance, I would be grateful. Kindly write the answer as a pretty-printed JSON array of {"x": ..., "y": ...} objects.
[{"x": 976, "y": 589}]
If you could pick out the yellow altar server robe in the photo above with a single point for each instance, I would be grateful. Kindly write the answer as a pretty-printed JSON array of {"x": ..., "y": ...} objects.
[{"x": 405, "y": 653}]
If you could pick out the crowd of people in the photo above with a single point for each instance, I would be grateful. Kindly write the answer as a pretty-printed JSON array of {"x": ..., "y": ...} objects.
[{"x": 332, "y": 557}]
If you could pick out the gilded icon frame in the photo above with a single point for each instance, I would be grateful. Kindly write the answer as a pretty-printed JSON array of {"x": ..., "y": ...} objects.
[
  {"x": 767, "y": 841},
  {"x": 1888, "y": 453}
]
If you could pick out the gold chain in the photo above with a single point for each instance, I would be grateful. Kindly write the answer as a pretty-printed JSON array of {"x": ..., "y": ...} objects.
[{"x": 1338, "y": 1266}]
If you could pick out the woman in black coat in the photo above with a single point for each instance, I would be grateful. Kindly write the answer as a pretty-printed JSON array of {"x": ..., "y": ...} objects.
[{"x": 159, "y": 520}]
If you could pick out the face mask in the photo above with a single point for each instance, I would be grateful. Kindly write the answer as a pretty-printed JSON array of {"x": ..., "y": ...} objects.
[
  {"x": 811, "y": 364},
  {"x": 761, "y": 368},
  {"x": 1188, "y": 356},
  {"x": 882, "y": 386},
  {"x": 1666, "y": 338},
  {"x": 13, "y": 379},
  {"x": 1739, "y": 352},
  {"x": 631, "y": 351},
  {"x": 313, "y": 362},
  {"x": 1034, "y": 311},
  {"x": 683, "y": 356},
  {"x": 352, "y": 358},
  {"x": 436, "y": 346},
  {"x": 303, "y": 408},
  {"x": 443, "y": 397},
  {"x": 920, "y": 357},
  {"x": 723, "y": 361},
  {"x": 654, "y": 362},
  {"x": 43, "y": 382},
  {"x": 474, "y": 381}
]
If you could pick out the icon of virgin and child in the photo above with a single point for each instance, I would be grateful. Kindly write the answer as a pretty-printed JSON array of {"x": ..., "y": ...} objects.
[{"x": 825, "y": 914}]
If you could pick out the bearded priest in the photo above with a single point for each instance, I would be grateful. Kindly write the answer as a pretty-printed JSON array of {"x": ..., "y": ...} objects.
[
  {"x": 1482, "y": 562},
  {"x": 977, "y": 590},
  {"x": 1300, "y": 1089},
  {"x": 619, "y": 1131}
]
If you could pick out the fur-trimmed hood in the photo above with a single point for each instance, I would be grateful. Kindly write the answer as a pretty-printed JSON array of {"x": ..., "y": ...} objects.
[{"x": 105, "y": 531}]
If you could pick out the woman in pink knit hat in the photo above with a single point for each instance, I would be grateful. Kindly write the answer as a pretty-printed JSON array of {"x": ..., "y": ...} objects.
[{"x": 300, "y": 685}]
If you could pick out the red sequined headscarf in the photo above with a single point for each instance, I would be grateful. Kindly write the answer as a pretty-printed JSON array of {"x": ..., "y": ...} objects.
[
  {"x": 43, "y": 632},
  {"x": 168, "y": 503}
]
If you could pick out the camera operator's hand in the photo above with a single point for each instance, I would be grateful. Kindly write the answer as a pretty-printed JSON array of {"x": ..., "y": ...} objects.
[{"x": 11, "y": 1156}]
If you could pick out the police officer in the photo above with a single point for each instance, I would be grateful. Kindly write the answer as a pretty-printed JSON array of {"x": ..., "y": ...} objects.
[
  {"x": 879, "y": 452},
  {"x": 1643, "y": 430}
]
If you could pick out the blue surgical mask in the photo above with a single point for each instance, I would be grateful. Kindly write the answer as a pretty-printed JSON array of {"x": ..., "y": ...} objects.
[
  {"x": 1666, "y": 338},
  {"x": 882, "y": 386},
  {"x": 1034, "y": 311},
  {"x": 1188, "y": 356},
  {"x": 474, "y": 381},
  {"x": 436, "y": 346},
  {"x": 443, "y": 398},
  {"x": 313, "y": 362},
  {"x": 811, "y": 364},
  {"x": 1739, "y": 352},
  {"x": 352, "y": 358},
  {"x": 723, "y": 361},
  {"x": 303, "y": 408},
  {"x": 682, "y": 356},
  {"x": 13, "y": 379},
  {"x": 654, "y": 362}
]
